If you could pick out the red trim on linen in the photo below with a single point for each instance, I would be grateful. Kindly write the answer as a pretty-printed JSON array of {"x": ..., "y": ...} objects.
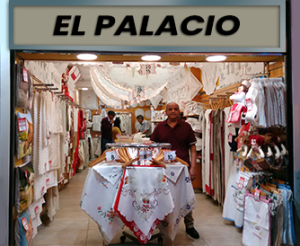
[
  {"x": 209, "y": 190},
  {"x": 76, "y": 161}
]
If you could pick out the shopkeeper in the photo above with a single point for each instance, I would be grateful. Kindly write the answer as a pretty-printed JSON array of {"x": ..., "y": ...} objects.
[
  {"x": 144, "y": 126},
  {"x": 182, "y": 138},
  {"x": 106, "y": 129}
]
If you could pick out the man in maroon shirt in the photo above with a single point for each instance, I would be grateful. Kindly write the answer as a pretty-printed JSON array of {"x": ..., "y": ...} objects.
[
  {"x": 182, "y": 138},
  {"x": 106, "y": 129}
]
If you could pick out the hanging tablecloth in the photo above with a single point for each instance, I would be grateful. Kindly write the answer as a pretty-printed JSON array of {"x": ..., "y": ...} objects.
[
  {"x": 109, "y": 192},
  {"x": 143, "y": 200}
]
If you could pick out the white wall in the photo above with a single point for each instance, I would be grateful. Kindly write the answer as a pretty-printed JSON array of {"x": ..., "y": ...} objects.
[{"x": 4, "y": 122}]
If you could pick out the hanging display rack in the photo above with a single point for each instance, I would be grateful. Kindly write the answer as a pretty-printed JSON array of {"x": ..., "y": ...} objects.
[{"x": 137, "y": 145}]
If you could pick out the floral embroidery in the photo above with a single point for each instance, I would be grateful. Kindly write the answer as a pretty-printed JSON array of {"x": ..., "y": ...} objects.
[
  {"x": 187, "y": 208},
  {"x": 107, "y": 215},
  {"x": 172, "y": 173},
  {"x": 187, "y": 179},
  {"x": 164, "y": 178},
  {"x": 105, "y": 185},
  {"x": 145, "y": 207},
  {"x": 125, "y": 192}
]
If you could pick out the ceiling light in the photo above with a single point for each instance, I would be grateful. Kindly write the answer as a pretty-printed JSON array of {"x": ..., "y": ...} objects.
[
  {"x": 86, "y": 57},
  {"x": 216, "y": 58},
  {"x": 151, "y": 58},
  {"x": 85, "y": 89}
]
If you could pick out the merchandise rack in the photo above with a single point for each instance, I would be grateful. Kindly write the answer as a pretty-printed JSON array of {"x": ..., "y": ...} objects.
[{"x": 139, "y": 146}]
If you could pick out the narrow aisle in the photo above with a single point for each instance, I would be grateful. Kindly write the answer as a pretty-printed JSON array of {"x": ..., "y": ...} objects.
[
  {"x": 72, "y": 226},
  {"x": 70, "y": 223}
]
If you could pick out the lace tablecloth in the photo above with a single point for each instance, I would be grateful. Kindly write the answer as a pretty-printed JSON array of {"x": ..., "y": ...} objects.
[{"x": 142, "y": 196}]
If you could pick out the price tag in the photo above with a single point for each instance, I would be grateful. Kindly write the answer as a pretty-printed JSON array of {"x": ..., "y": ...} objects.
[
  {"x": 22, "y": 124},
  {"x": 25, "y": 224},
  {"x": 230, "y": 136},
  {"x": 240, "y": 185},
  {"x": 145, "y": 155},
  {"x": 25, "y": 75},
  {"x": 257, "y": 194},
  {"x": 169, "y": 155},
  {"x": 112, "y": 155}
]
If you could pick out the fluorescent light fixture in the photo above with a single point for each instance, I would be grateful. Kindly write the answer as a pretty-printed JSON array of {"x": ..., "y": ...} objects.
[
  {"x": 151, "y": 58},
  {"x": 216, "y": 58},
  {"x": 86, "y": 57},
  {"x": 85, "y": 89}
]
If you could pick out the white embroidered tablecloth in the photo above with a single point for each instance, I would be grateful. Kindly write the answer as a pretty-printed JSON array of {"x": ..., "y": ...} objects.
[
  {"x": 143, "y": 200},
  {"x": 153, "y": 195}
]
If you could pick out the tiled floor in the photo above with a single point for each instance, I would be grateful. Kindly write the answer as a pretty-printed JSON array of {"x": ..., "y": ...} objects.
[{"x": 72, "y": 226}]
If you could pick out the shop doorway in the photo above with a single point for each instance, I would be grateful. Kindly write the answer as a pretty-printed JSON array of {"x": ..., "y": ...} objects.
[{"x": 241, "y": 66}]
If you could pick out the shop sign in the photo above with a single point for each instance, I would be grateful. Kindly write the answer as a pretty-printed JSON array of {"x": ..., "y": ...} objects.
[{"x": 136, "y": 26}]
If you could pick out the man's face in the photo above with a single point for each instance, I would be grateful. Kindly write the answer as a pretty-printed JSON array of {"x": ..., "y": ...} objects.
[
  {"x": 173, "y": 111},
  {"x": 140, "y": 120},
  {"x": 111, "y": 117}
]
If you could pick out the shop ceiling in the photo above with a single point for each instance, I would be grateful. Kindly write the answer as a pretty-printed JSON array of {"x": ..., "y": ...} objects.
[{"x": 165, "y": 57}]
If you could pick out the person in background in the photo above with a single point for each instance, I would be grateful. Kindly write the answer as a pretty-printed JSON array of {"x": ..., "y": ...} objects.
[
  {"x": 144, "y": 126},
  {"x": 182, "y": 138},
  {"x": 106, "y": 129},
  {"x": 116, "y": 129}
]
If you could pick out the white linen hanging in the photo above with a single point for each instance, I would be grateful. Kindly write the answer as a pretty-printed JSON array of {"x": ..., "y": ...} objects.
[
  {"x": 228, "y": 154},
  {"x": 210, "y": 75},
  {"x": 208, "y": 132},
  {"x": 55, "y": 152},
  {"x": 229, "y": 212},
  {"x": 43, "y": 141},
  {"x": 257, "y": 221},
  {"x": 39, "y": 179}
]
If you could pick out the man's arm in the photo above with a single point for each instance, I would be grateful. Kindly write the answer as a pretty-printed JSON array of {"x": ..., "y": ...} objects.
[
  {"x": 145, "y": 131},
  {"x": 154, "y": 137},
  {"x": 193, "y": 171},
  {"x": 147, "y": 127}
]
